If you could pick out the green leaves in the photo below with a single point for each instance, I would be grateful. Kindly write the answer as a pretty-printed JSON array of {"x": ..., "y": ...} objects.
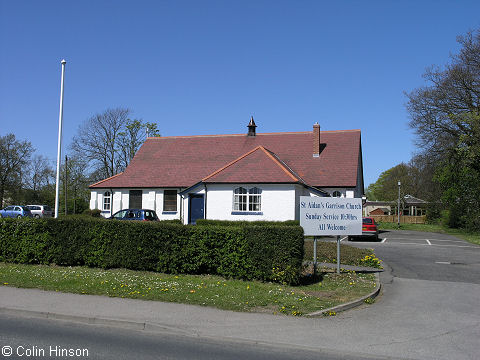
[
  {"x": 445, "y": 115},
  {"x": 244, "y": 252}
]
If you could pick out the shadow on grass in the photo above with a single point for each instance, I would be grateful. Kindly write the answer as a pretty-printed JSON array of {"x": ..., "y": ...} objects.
[{"x": 310, "y": 279}]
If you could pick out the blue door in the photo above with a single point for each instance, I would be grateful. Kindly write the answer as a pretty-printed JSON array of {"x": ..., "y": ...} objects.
[{"x": 196, "y": 208}]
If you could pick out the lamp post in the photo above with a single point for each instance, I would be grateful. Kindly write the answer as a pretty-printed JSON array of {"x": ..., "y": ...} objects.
[
  {"x": 59, "y": 149},
  {"x": 399, "y": 202}
]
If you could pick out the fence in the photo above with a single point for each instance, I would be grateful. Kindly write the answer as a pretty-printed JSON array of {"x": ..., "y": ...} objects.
[{"x": 404, "y": 219}]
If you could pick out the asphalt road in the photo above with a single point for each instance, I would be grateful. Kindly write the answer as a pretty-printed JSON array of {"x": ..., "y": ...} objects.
[
  {"x": 427, "y": 256},
  {"x": 48, "y": 339}
]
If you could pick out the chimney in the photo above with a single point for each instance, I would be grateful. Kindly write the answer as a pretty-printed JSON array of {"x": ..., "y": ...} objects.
[
  {"x": 316, "y": 140},
  {"x": 251, "y": 127}
]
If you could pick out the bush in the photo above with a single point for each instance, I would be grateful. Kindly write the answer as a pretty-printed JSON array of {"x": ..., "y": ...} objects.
[
  {"x": 93, "y": 213},
  {"x": 263, "y": 252},
  {"x": 205, "y": 222}
]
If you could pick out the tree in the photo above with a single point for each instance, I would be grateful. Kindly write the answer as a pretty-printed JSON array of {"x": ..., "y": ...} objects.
[
  {"x": 14, "y": 156},
  {"x": 98, "y": 140},
  {"x": 422, "y": 172},
  {"x": 78, "y": 193},
  {"x": 38, "y": 182},
  {"x": 109, "y": 140},
  {"x": 445, "y": 115},
  {"x": 386, "y": 187},
  {"x": 39, "y": 174},
  {"x": 132, "y": 138}
]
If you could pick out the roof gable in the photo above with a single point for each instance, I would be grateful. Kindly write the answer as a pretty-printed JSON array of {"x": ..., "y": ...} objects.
[{"x": 256, "y": 166}]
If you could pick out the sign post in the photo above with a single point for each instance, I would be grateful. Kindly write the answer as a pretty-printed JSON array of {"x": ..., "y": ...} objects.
[
  {"x": 325, "y": 216},
  {"x": 338, "y": 254}
]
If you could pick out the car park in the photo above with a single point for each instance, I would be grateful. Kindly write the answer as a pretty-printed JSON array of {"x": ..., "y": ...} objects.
[
  {"x": 135, "y": 214},
  {"x": 369, "y": 230},
  {"x": 39, "y": 211},
  {"x": 15, "y": 211}
]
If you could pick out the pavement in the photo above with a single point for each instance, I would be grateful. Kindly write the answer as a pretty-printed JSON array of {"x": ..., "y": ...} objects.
[{"x": 412, "y": 319}]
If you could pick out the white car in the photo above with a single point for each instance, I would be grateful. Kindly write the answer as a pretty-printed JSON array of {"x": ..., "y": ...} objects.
[{"x": 39, "y": 211}]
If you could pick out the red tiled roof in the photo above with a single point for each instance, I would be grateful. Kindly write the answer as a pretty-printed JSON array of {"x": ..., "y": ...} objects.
[
  {"x": 257, "y": 166},
  {"x": 181, "y": 161}
]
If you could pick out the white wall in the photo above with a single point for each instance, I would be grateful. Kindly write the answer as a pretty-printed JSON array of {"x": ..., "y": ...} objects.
[
  {"x": 278, "y": 202},
  {"x": 346, "y": 192},
  {"x": 151, "y": 199},
  {"x": 166, "y": 215},
  {"x": 93, "y": 200},
  {"x": 148, "y": 199}
]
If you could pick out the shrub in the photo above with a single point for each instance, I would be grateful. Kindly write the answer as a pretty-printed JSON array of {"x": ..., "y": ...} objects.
[
  {"x": 250, "y": 251},
  {"x": 205, "y": 222},
  {"x": 93, "y": 213}
]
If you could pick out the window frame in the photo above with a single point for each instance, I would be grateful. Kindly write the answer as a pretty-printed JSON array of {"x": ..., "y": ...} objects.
[
  {"x": 334, "y": 194},
  {"x": 255, "y": 199},
  {"x": 247, "y": 200},
  {"x": 107, "y": 205},
  {"x": 240, "y": 199},
  {"x": 172, "y": 207}
]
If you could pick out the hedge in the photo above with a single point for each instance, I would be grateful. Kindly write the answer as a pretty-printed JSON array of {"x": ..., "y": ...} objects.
[
  {"x": 268, "y": 252},
  {"x": 204, "y": 222}
]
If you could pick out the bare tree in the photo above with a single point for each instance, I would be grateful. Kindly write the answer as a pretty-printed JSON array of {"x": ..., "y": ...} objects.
[
  {"x": 39, "y": 173},
  {"x": 446, "y": 111},
  {"x": 98, "y": 140},
  {"x": 108, "y": 141},
  {"x": 14, "y": 157}
]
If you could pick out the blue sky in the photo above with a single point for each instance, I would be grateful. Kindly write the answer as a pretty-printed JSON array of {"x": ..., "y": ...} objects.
[{"x": 205, "y": 67}]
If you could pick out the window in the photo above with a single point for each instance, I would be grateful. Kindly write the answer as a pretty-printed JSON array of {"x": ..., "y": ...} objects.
[
  {"x": 247, "y": 200},
  {"x": 107, "y": 198},
  {"x": 135, "y": 199},
  {"x": 254, "y": 199},
  {"x": 240, "y": 199},
  {"x": 337, "y": 194},
  {"x": 170, "y": 200},
  {"x": 119, "y": 214}
]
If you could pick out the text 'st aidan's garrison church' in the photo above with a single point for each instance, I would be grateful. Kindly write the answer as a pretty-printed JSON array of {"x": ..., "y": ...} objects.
[{"x": 235, "y": 177}]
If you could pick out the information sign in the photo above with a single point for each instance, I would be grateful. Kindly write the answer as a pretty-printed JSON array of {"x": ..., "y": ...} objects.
[{"x": 322, "y": 216}]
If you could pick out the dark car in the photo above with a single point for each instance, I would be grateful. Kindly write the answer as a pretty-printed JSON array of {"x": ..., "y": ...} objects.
[
  {"x": 15, "y": 211},
  {"x": 369, "y": 229},
  {"x": 135, "y": 214}
]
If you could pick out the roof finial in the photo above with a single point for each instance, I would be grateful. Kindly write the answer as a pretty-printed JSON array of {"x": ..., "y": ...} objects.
[{"x": 251, "y": 127}]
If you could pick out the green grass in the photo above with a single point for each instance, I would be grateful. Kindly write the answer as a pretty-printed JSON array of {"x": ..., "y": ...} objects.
[
  {"x": 329, "y": 290},
  {"x": 472, "y": 237}
]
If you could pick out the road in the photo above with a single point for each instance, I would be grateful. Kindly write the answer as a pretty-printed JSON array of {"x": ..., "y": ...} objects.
[
  {"x": 47, "y": 339},
  {"x": 427, "y": 256}
]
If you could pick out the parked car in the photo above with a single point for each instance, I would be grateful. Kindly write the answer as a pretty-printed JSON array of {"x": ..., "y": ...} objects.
[
  {"x": 39, "y": 211},
  {"x": 15, "y": 211},
  {"x": 369, "y": 229},
  {"x": 135, "y": 214}
]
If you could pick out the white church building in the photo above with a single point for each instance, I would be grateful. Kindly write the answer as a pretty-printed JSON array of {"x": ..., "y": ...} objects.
[{"x": 250, "y": 176}]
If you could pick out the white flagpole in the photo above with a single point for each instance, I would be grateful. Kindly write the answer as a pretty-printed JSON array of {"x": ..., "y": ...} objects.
[{"x": 59, "y": 149}]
